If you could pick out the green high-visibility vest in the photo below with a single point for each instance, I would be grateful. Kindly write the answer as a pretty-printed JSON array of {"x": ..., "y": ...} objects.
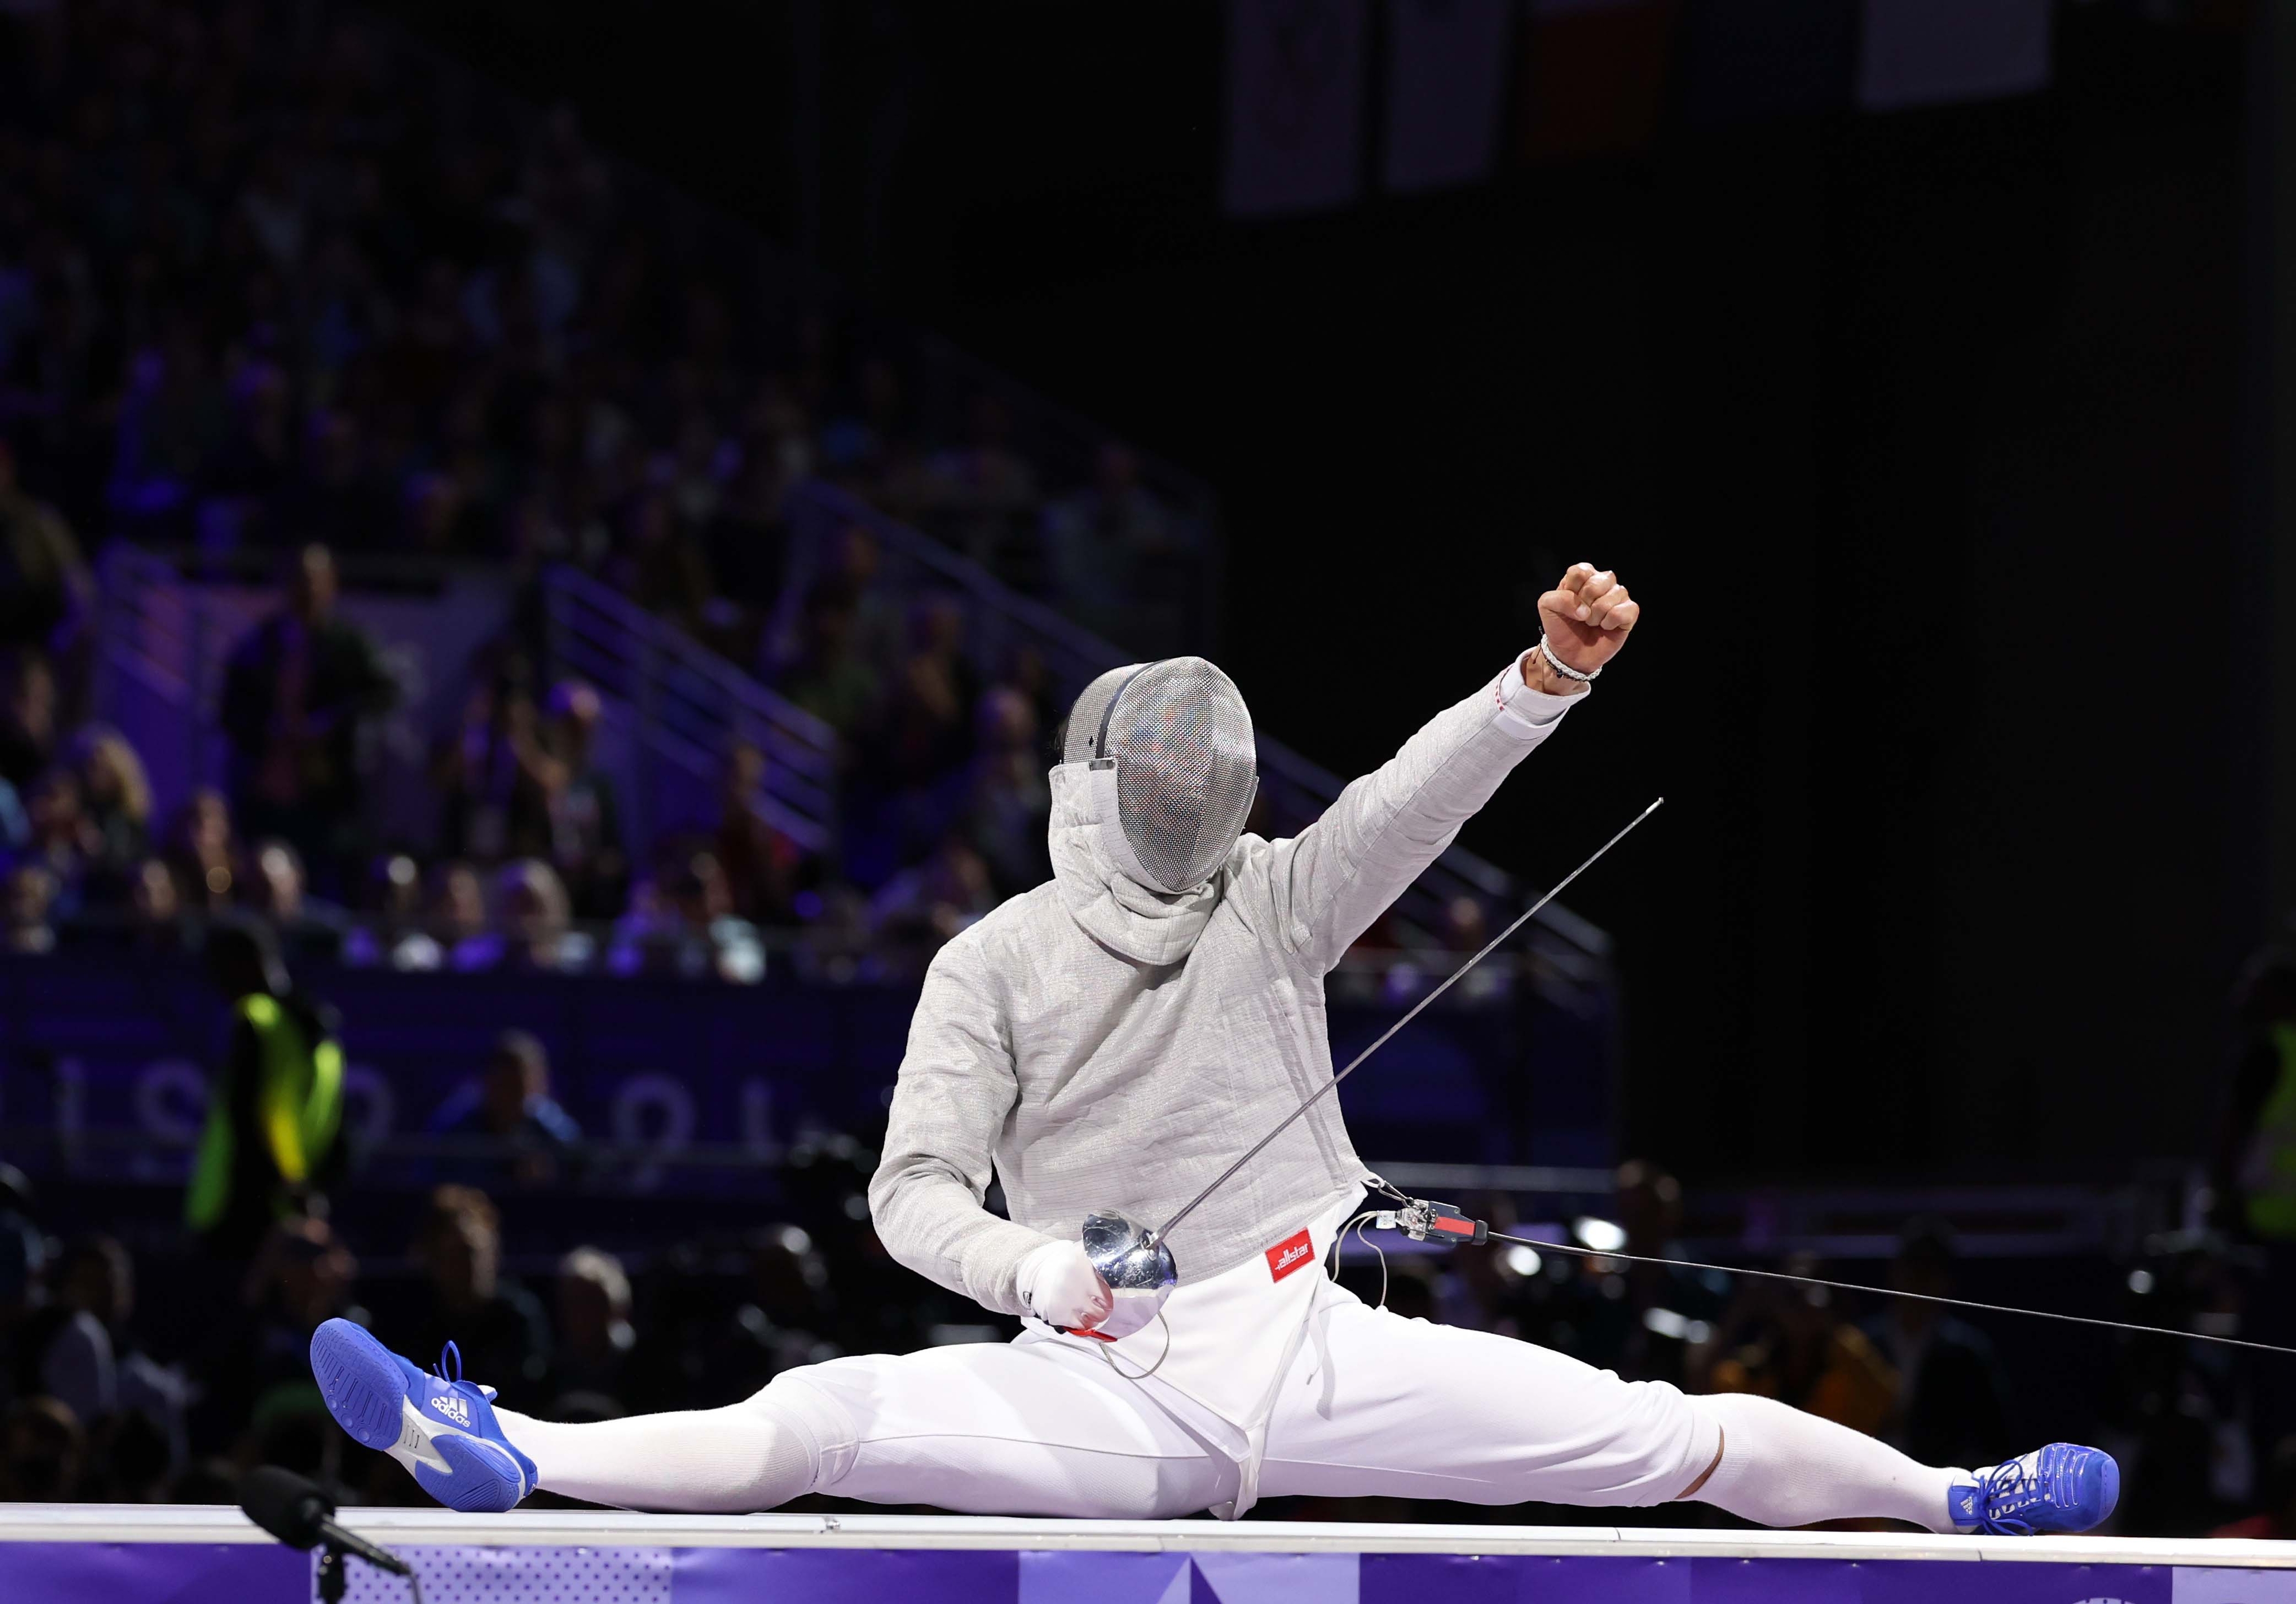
[
  {"x": 2268, "y": 1176},
  {"x": 299, "y": 1109}
]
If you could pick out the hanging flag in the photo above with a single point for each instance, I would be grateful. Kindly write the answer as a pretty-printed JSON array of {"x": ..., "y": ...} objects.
[
  {"x": 1295, "y": 89},
  {"x": 1745, "y": 60},
  {"x": 1921, "y": 53},
  {"x": 1446, "y": 63},
  {"x": 1596, "y": 78}
]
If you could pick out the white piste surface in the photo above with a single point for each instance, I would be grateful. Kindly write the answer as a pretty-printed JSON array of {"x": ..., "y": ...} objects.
[{"x": 577, "y": 1528}]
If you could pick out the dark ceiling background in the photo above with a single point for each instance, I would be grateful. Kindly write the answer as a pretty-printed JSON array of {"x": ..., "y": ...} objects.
[{"x": 1916, "y": 434}]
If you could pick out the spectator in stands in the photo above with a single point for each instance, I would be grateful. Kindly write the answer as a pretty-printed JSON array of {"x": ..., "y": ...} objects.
[
  {"x": 510, "y": 1105},
  {"x": 249, "y": 473},
  {"x": 273, "y": 1139},
  {"x": 787, "y": 1320},
  {"x": 43, "y": 1451},
  {"x": 24, "y": 1260},
  {"x": 765, "y": 870},
  {"x": 331, "y": 498},
  {"x": 1953, "y": 1399},
  {"x": 1009, "y": 804},
  {"x": 790, "y": 1284},
  {"x": 155, "y": 907},
  {"x": 464, "y": 1298},
  {"x": 1791, "y": 1343},
  {"x": 27, "y": 716},
  {"x": 584, "y": 809},
  {"x": 2181, "y": 1405},
  {"x": 1646, "y": 1321},
  {"x": 275, "y": 884},
  {"x": 30, "y": 889},
  {"x": 749, "y": 540},
  {"x": 2275, "y": 1520},
  {"x": 980, "y": 497},
  {"x": 594, "y": 1336},
  {"x": 81, "y": 1349},
  {"x": 62, "y": 840},
  {"x": 116, "y": 798},
  {"x": 295, "y": 691},
  {"x": 302, "y": 1275},
  {"x": 430, "y": 514},
  {"x": 830, "y": 679},
  {"x": 710, "y": 937},
  {"x": 659, "y": 565},
  {"x": 498, "y": 777},
  {"x": 392, "y": 935},
  {"x": 47, "y": 596},
  {"x": 855, "y": 567},
  {"x": 2254, "y": 1165},
  {"x": 203, "y": 853},
  {"x": 533, "y": 925},
  {"x": 926, "y": 731},
  {"x": 1101, "y": 543},
  {"x": 921, "y": 908},
  {"x": 170, "y": 419},
  {"x": 867, "y": 440},
  {"x": 458, "y": 908}
]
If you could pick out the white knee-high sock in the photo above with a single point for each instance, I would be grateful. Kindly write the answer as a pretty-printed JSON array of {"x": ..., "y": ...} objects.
[
  {"x": 752, "y": 1455},
  {"x": 1787, "y": 1468}
]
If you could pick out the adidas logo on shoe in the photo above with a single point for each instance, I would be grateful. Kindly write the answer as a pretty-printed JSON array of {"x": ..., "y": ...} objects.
[{"x": 453, "y": 1407}]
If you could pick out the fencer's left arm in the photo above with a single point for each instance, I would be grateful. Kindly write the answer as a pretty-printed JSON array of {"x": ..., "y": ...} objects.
[
  {"x": 1328, "y": 883},
  {"x": 955, "y": 1087}
]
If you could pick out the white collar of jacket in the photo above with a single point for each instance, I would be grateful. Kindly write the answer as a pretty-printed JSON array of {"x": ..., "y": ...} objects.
[{"x": 1109, "y": 905}]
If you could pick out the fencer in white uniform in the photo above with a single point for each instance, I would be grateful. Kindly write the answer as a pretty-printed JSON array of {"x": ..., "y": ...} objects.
[{"x": 1115, "y": 1038}]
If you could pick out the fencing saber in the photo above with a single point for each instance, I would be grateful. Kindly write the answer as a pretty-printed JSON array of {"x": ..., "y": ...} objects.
[
  {"x": 1163, "y": 1232},
  {"x": 1137, "y": 1264}
]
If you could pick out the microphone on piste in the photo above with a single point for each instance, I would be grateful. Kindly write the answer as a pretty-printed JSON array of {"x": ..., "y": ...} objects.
[{"x": 299, "y": 1513}]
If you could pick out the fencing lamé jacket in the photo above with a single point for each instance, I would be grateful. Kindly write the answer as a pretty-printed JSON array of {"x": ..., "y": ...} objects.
[{"x": 1104, "y": 1045}]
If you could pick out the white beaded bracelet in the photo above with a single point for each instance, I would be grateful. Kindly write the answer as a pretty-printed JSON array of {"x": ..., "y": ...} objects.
[{"x": 1546, "y": 655}]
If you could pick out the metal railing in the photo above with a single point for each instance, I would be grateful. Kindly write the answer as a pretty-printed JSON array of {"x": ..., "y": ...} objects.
[{"x": 674, "y": 708}]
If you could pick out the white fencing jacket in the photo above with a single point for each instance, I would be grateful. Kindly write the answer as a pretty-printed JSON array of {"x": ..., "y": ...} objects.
[{"x": 1104, "y": 1045}]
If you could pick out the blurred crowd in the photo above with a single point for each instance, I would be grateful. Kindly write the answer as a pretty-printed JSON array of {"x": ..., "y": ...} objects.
[
  {"x": 276, "y": 284},
  {"x": 270, "y": 275},
  {"x": 527, "y": 861}
]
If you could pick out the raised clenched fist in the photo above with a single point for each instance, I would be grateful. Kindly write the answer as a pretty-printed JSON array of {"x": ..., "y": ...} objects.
[{"x": 1586, "y": 617}]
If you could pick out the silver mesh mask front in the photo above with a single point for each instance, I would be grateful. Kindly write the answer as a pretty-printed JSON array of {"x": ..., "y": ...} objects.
[{"x": 1174, "y": 767}]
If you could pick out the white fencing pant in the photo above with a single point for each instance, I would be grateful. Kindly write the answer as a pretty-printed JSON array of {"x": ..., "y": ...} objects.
[{"x": 1372, "y": 1403}]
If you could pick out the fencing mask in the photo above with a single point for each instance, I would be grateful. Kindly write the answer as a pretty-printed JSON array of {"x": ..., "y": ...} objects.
[{"x": 1172, "y": 767}]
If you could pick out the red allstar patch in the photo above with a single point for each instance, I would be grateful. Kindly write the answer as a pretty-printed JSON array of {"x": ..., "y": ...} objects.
[{"x": 1289, "y": 1255}]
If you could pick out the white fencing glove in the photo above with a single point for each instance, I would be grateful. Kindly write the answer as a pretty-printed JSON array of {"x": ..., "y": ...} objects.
[{"x": 1060, "y": 1287}]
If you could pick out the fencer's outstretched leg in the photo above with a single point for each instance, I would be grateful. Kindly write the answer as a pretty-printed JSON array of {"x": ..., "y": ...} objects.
[
  {"x": 471, "y": 1456},
  {"x": 757, "y": 1454},
  {"x": 1375, "y": 1403},
  {"x": 1020, "y": 1428},
  {"x": 1783, "y": 1468}
]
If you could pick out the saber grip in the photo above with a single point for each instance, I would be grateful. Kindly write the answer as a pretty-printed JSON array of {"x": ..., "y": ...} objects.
[
  {"x": 1451, "y": 1225},
  {"x": 1423, "y": 1220}
]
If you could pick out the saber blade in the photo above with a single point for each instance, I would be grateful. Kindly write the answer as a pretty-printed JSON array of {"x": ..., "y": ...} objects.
[{"x": 1332, "y": 1085}]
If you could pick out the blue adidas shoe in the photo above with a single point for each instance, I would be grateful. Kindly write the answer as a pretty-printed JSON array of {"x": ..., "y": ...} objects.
[
  {"x": 439, "y": 1427},
  {"x": 2063, "y": 1487}
]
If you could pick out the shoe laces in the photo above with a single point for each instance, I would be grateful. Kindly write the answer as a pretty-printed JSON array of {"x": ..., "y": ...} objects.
[
  {"x": 450, "y": 1360},
  {"x": 2003, "y": 1481}
]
